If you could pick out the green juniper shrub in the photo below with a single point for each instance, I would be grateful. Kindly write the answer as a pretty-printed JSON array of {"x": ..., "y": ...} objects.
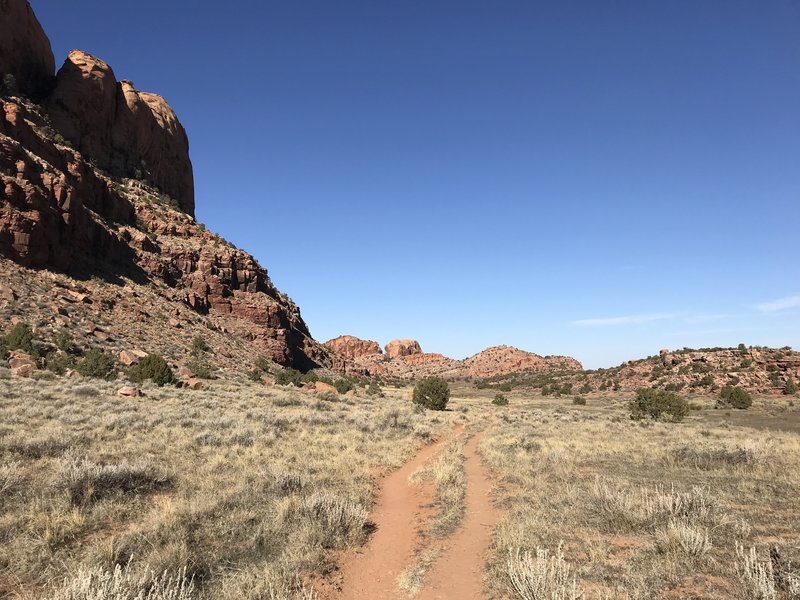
[
  {"x": 790, "y": 389},
  {"x": 658, "y": 404},
  {"x": 579, "y": 400},
  {"x": 200, "y": 368},
  {"x": 735, "y": 397},
  {"x": 343, "y": 385},
  {"x": 585, "y": 388},
  {"x": 374, "y": 389},
  {"x": 59, "y": 362},
  {"x": 545, "y": 390},
  {"x": 199, "y": 346},
  {"x": 154, "y": 368},
  {"x": 500, "y": 400},
  {"x": 774, "y": 379},
  {"x": 289, "y": 376},
  {"x": 505, "y": 387},
  {"x": 20, "y": 337},
  {"x": 63, "y": 340},
  {"x": 255, "y": 375},
  {"x": 97, "y": 364},
  {"x": 432, "y": 392},
  {"x": 261, "y": 364}
]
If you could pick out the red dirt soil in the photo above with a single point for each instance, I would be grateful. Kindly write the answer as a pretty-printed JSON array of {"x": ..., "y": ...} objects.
[{"x": 458, "y": 573}]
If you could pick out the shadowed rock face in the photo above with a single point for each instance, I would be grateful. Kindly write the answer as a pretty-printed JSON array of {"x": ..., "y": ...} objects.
[
  {"x": 25, "y": 51},
  {"x": 124, "y": 131},
  {"x": 59, "y": 211}
]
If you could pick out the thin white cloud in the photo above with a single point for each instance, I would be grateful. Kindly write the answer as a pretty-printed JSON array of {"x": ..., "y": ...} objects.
[
  {"x": 698, "y": 319},
  {"x": 779, "y": 304},
  {"x": 620, "y": 321}
]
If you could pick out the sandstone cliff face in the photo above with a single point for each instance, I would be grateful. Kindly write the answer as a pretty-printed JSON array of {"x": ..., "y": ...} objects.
[
  {"x": 25, "y": 51},
  {"x": 61, "y": 212},
  {"x": 398, "y": 348},
  {"x": 57, "y": 212},
  {"x": 351, "y": 347},
  {"x": 125, "y": 132}
]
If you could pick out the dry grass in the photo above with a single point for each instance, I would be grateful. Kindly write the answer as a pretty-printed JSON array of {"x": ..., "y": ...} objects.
[
  {"x": 230, "y": 492},
  {"x": 645, "y": 510},
  {"x": 446, "y": 473}
]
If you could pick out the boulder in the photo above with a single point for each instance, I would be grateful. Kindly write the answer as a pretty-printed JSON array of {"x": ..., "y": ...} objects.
[
  {"x": 195, "y": 384},
  {"x": 322, "y": 388},
  {"x": 129, "y": 391},
  {"x": 128, "y": 358}
]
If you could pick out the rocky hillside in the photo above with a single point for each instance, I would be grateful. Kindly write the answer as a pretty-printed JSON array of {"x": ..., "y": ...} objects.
[
  {"x": 405, "y": 359},
  {"x": 97, "y": 203},
  {"x": 759, "y": 370},
  {"x": 687, "y": 371}
]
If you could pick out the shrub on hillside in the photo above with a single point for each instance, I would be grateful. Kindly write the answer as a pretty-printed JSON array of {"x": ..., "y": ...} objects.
[
  {"x": 500, "y": 400},
  {"x": 97, "y": 364},
  {"x": 200, "y": 368},
  {"x": 735, "y": 397},
  {"x": 658, "y": 404},
  {"x": 63, "y": 340},
  {"x": 154, "y": 368},
  {"x": 289, "y": 376},
  {"x": 579, "y": 401},
  {"x": 199, "y": 346},
  {"x": 432, "y": 393},
  {"x": 59, "y": 362},
  {"x": 343, "y": 385},
  {"x": 19, "y": 337},
  {"x": 790, "y": 389}
]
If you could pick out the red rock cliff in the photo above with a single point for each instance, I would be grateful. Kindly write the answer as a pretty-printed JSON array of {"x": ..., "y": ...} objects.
[
  {"x": 25, "y": 51},
  {"x": 125, "y": 132}
]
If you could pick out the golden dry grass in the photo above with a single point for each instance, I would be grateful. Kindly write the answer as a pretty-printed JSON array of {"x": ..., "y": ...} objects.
[
  {"x": 240, "y": 486},
  {"x": 641, "y": 509}
]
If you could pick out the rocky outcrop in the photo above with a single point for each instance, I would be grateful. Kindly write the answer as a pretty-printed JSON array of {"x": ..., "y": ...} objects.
[
  {"x": 503, "y": 360},
  {"x": 125, "y": 132},
  {"x": 352, "y": 347},
  {"x": 399, "y": 348},
  {"x": 61, "y": 211},
  {"x": 704, "y": 371},
  {"x": 25, "y": 51},
  {"x": 51, "y": 196}
]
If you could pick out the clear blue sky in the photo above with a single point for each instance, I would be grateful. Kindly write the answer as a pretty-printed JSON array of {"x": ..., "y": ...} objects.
[{"x": 599, "y": 179}]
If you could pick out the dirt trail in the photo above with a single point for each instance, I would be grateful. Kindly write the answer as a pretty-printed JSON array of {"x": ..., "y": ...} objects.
[
  {"x": 458, "y": 573},
  {"x": 373, "y": 573}
]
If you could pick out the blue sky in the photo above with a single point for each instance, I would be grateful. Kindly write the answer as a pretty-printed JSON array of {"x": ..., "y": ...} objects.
[{"x": 598, "y": 179}]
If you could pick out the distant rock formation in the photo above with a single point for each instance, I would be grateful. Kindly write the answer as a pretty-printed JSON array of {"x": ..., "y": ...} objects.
[
  {"x": 502, "y": 360},
  {"x": 352, "y": 348},
  {"x": 25, "y": 52},
  {"x": 399, "y": 348},
  {"x": 405, "y": 359},
  {"x": 125, "y": 132}
]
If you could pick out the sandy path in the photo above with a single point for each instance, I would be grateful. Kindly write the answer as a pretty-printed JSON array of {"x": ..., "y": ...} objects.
[
  {"x": 458, "y": 573},
  {"x": 372, "y": 574}
]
